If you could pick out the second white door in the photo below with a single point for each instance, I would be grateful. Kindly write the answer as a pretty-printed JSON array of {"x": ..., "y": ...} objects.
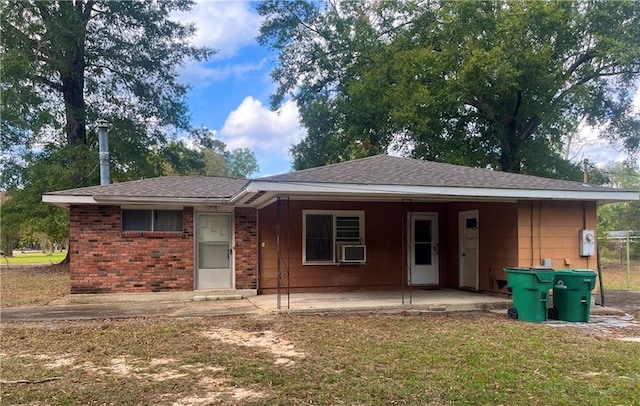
[{"x": 469, "y": 249}]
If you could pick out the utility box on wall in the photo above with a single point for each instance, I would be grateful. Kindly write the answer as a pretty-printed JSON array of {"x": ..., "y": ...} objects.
[{"x": 587, "y": 243}]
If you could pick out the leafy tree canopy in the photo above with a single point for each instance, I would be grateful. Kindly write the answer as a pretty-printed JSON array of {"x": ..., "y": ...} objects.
[
  {"x": 481, "y": 83},
  {"x": 66, "y": 64},
  {"x": 621, "y": 216},
  {"x": 205, "y": 156}
]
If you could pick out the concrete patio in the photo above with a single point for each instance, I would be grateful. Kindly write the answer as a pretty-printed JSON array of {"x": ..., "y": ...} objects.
[{"x": 440, "y": 300}]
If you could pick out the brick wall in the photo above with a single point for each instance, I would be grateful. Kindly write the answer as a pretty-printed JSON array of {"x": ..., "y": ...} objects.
[
  {"x": 246, "y": 248},
  {"x": 106, "y": 260}
]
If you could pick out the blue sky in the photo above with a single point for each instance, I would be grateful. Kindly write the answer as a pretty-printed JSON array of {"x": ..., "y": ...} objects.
[{"x": 230, "y": 92}]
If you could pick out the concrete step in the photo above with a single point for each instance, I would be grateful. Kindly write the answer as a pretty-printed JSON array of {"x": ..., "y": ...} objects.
[
  {"x": 194, "y": 295},
  {"x": 201, "y": 298}
]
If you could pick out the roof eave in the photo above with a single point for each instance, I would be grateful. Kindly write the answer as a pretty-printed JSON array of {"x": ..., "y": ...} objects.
[
  {"x": 67, "y": 200},
  {"x": 404, "y": 190}
]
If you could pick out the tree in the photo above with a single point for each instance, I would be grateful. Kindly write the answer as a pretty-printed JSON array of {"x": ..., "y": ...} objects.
[
  {"x": 24, "y": 209},
  {"x": 621, "y": 216},
  {"x": 218, "y": 161},
  {"x": 176, "y": 158},
  {"x": 66, "y": 64},
  {"x": 490, "y": 84}
]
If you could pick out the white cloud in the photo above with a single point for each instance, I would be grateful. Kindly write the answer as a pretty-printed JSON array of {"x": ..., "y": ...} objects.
[
  {"x": 252, "y": 125},
  {"x": 590, "y": 144},
  {"x": 224, "y": 25},
  {"x": 202, "y": 74}
]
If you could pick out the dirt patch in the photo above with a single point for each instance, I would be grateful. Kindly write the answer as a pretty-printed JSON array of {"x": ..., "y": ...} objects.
[
  {"x": 282, "y": 349},
  {"x": 218, "y": 389}
]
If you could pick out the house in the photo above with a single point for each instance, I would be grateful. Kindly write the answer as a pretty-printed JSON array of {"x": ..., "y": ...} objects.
[{"x": 375, "y": 223}]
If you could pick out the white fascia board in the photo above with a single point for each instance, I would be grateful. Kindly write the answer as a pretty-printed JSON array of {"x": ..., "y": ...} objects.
[
  {"x": 359, "y": 189},
  {"x": 238, "y": 196},
  {"x": 160, "y": 200},
  {"x": 67, "y": 199}
]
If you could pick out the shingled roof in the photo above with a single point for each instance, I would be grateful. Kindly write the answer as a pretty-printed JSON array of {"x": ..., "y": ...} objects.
[
  {"x": 374, "y": 177},
  {"x": 186, "y": 187},
  {"x": 389, "y": 170}
]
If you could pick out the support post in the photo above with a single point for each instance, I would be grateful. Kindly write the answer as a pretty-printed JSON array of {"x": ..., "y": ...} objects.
[
  {"x": 282, "y": 266},
  {"x": 628, "y": 260}
]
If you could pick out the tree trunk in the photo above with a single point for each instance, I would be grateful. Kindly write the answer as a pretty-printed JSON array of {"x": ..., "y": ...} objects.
[
  {"x": 66, "y": 30},
  {"x": 509, "y": 154},
  {"x": 72, "y": 77},
  {"x": 74, "y": 106}
]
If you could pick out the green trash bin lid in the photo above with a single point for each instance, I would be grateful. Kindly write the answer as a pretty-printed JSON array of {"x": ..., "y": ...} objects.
[
  {"x": 584, "y": 270},
  {"x": 542, "y": 274},
  {"x": 529, "y": 269},
  {"x": 577, "y": 272}
]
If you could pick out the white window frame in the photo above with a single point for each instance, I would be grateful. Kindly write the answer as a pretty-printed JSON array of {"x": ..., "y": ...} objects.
[{"x": 335, "y": 214}]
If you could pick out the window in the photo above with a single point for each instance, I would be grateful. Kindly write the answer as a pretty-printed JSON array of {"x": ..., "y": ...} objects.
[
  {"x": 323, "y": 230},
  {"x": 151, "y": 220}
]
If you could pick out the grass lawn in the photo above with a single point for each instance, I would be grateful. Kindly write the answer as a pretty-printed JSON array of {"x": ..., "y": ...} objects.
[
  {"x": 34, "y": 258},
  {"x": 440, "y": 359},
  {"x": 328, "y": 360},
  {"x": 22, "y": 286}
]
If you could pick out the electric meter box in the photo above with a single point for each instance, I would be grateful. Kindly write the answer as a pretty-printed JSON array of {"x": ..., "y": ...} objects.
[{"x": 587, "y": 243}]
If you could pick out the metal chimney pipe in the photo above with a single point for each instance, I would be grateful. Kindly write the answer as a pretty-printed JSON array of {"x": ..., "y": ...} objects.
[{"x": 103, "y": 145}]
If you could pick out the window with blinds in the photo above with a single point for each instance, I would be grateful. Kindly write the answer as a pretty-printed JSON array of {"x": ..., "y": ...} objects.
[{"x": 325, "y": 231}]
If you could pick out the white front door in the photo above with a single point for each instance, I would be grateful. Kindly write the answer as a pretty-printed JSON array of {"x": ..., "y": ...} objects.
[
  {"x": 213, "y": 252},
  {"x": 469, "y": 249},
  {"x": 423, "y": 249}
]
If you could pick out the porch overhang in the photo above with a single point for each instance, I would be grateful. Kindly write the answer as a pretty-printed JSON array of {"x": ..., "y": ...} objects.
[{"x": 261, "y": 193}]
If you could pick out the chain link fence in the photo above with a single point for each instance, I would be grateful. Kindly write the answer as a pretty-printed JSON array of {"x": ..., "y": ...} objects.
[{"x": 619, "y": 254}]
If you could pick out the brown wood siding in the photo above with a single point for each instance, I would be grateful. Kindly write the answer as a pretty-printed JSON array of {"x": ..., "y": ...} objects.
[
  {"x": 497, "y": 239},
  {"x": 504, "y": 241},
  {"x": 384, "y": 227},
  {"x": 556, "y": 227}
]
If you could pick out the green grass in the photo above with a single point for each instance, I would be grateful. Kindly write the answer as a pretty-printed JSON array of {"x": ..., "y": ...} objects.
[
  {"x": 34, "y": 258},
  {"x": 353, "y": 360}
]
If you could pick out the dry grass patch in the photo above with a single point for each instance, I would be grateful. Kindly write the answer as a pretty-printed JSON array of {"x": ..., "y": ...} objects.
[
  {"x": 367, "y": 359},
  {"x": 614, "y": 276},
  {"x": 33, "y": 285}
]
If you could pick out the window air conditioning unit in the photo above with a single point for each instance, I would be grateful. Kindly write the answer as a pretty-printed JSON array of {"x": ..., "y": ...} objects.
[{"x": 352, "y": 253}]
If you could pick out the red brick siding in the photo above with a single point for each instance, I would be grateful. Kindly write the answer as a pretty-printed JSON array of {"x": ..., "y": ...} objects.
[
  {"x": 246, "y": 248},
  {"x": 106, "y": 260}
]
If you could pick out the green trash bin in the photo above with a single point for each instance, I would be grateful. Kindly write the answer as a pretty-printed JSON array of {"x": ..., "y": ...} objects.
[
  {"x": 530, "y": 291},
  {"x": 572, "y": 294}
]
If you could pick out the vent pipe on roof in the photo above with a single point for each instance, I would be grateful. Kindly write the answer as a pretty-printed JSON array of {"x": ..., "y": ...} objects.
[
  {"x": 585, "y": 171},
  {"x": 103, "y": 145}
]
